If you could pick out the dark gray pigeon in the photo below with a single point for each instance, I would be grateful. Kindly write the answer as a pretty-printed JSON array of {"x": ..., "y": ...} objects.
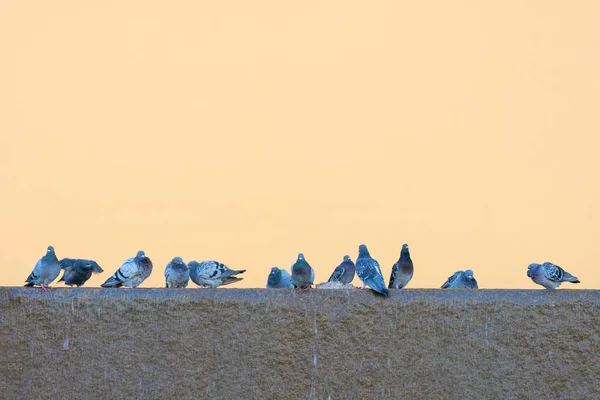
[
  {"x": 402, "y": 270},
  {"x": 45, "y": 271},
  {"x": 132, "y": 273},
  {"x": 210, "y": 273},
  {"x": 303, "y": 275},
  {"x": 549, "y": 275},
  {"x": 344, "y": 272},
  {"x": 177, "y": 274},
  {"x": 369, "y": 272},
  {"x": 279, "y": 279},
  {"x": 78, "y": 271},
  {"x": 461, "y": 280}
]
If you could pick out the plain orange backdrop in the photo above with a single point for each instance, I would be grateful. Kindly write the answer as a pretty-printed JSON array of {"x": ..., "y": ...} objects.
[{"x": 249, "y": 131}]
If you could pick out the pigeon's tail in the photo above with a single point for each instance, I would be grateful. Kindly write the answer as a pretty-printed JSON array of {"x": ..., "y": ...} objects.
[
  {"x": 567, "y": 277},
  {"x": 231, "y": 272},
  {"x": 30, "y": 280},
  {"x": 113, "y": 281},
  {"x": 231, "y": 279},
  {"x": 378, "y": 287}
]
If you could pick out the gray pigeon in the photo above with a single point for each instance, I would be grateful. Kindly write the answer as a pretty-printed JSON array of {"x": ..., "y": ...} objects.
[
  {"x": 78, "y": 271},
  {"x": 369, "y": 272},
  {"x": 549, "y": 275},
  {"x": 177, "y": 274},
  {"x": 344, "y": 272},
  {"x": 210, "y": 273},
  {"x": 303, "y": 275},
  {"x": 402, "y": 270},
  {"x": 461, "y": 280},
  {"x": 45, "y": 271},
  {"x": 278, "y": 279},
  {"x": 132, "y": 273}
]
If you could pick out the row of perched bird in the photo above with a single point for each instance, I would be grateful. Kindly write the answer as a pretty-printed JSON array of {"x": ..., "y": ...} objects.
[{"x": 210, "y": 273}]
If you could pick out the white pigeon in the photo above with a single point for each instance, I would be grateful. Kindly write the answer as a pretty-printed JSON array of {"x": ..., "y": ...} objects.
[{"x": 210, "y": 273}]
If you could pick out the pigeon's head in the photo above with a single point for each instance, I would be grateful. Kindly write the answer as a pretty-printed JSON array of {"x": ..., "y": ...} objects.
[
  {"x": 140, "y": 254},
  {"x": 178, "y": 260},
  {"x": 530, "y": 269},
  {"x": 363, "y": 251},
  {"x": 347, "y": 258},
  {"x": 302, "y": 263},
  {"x": 404, "y": 251},
  {"x": 50, "y": 249},
  {"x": 469, "y": 274},
  {"x": 193, "y": 264},
  {"x": 274, "y": 276}
]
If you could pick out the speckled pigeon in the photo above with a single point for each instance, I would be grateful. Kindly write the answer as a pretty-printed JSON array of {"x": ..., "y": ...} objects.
[
  {"x": 210, "y": 273},
  {"x": 78, "y": 271},
  {"x": 344, "y": 272},
  {"x": 303, "y": 275},
  {"x": 549, "y": 275},
  {"x": 461, "y": 280},
  {"x": 278, "y": 279},
  {"x": 369, "y": 272},
  {"x": 402, "y": 270},
  {"x": 45, "y": 271},
  {"x": 132, "y": 273},
  {"x": 177, "y": 274}
]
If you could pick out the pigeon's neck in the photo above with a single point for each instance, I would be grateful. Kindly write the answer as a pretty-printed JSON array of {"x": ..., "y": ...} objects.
[
  {"x": 51, "y": 257},
  {"x": 363, "y": 254},
  {"x": 404, "y": 255}
]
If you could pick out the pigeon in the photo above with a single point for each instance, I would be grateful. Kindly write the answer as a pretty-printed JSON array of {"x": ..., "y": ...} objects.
[
  {"x": 402, "y": 271},
  {"x": 461, "y": 280},
  {"x": 344, "y": 272},
  {"x": 132, "y": 273},
  {"x": 45, "y": 271},
  {"x": 369, "y": 272},
  {"x": 303, "y": 275},
  {"x": 78, "y": 271},
  {"x": 279, "y": 278},
  {"x": 177, "y": 274},
  {"x": 210, "y": 273},
  {"x": 549, "y": 275}
]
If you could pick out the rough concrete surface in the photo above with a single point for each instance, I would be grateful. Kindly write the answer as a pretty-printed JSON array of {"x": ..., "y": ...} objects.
[{"x": 284, "y": 344}]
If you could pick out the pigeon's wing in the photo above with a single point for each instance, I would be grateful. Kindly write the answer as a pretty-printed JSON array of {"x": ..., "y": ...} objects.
[
  {"x": 367, "y": 268},
  {"x": 128, "y": 270},
  {"x": 553, "y": 272},
  {"x": 209, "y": 269},
  {"x": 286, "y": 278},
  {"x": 35, "y": 274},
  {"x": 337, "y": 274},
  {"x": 395, "y": 269},
  {"x": 557, "y": 274},
  {"x": 67, "y": 263},
  {"x": 451, "y": 279},
  {"x": 216, "y": 270}
]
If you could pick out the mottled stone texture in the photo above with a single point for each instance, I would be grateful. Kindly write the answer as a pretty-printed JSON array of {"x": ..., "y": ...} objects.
[{"x": 278, "y": 344}]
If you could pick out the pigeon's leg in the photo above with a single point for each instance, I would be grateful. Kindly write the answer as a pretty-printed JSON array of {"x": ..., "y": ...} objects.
[{"x": 44, "y": 288}]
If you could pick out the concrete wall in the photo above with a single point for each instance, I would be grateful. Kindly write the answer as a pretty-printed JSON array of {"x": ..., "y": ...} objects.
[{"x": 276, "y": 344}]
